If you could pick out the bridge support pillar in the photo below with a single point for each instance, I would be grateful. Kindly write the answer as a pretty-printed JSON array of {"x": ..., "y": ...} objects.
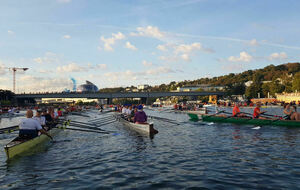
[
  {"x": 145, "y": 101},
  {"x": 109, "y": 101}
]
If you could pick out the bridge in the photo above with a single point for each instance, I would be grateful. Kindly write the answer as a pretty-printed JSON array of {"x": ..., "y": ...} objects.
[{"x": 110, "y": 96}]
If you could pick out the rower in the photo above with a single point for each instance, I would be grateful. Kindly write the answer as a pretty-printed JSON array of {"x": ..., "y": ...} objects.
[
  {"x": 41, "y": 119},
  {"x": 134, "y": 110},
  {"x": 257, "y": 112},
  {"x": 29, "y": 127},
  {"x": 236, "y": 111},
  {"x": 291, "y": 113},
  {"x": 128, "y": 112},
  {"x": 140, "y": 116}
]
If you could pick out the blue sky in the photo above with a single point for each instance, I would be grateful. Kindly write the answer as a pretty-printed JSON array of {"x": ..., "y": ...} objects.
[{"x": 122, "y": 43}]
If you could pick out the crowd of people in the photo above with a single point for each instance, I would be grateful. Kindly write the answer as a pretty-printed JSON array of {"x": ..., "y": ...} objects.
[{"x": 43, "y": 121}]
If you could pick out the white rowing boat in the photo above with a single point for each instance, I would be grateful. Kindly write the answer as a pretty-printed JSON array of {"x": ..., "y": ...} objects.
[{"x": 141, "y": 128}]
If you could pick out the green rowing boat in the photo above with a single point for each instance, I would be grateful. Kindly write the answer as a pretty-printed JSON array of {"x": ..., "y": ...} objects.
[{"x": 246, "y": 121}]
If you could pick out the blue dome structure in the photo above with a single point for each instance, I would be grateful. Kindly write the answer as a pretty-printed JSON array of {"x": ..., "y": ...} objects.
[{"x": 87, "y": 87}]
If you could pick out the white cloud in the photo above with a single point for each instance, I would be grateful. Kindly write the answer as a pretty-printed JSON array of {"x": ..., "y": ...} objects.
[
  {"x": 48, "y": 58},
  {"x": 39, "y": 84},
  {"x": 66, "y": 36},
  {"x": 130, "y": 75},
  {"x": 44, "y": 71},
  {"x": 72, "y": 67},
  {"x": 108, "y": 42},
  {"x": 2, "y": 69},
  {"x": 233, "y": 67},
  {"x": 130, "y": 46},
  {"x": 185, "y": 57},
  {"x": 101, "y": 66},
  {"x": 162, "y": 48},
  {"x": 64, "y": 1},
  {"x": 278, "y": 56},
  {"x": 147, "y": 64},
  {"x": 244, "y": 57},
  {"x": 149, "y": 31},
  {"x": 10, "y": 32},
  {"x": 181, "y": 51},
  {"x": 253, "y": 42},
  {"x": 185, "y": 48},
  {"x": 159, "y": 70}
]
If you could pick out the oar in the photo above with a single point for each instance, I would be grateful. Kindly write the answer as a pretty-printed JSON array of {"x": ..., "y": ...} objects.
[
  {"x": 87, "y": 127},
  {"x": 79, "y": 114},
  {"x": 87, "y": 124},
  {"x": 74, "y": 129},
  {"x": 102, "y": 120},
  {"x": 9, "y": 129},
  {"x": 97, "y": 119},
  {"x": 271, "y": 115}
]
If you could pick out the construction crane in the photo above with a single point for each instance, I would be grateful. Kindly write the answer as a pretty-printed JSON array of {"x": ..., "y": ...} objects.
[{"x": 14, "y": 69}]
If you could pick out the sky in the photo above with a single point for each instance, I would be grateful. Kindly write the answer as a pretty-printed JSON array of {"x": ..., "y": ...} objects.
[{"x": 116, "y": 43}]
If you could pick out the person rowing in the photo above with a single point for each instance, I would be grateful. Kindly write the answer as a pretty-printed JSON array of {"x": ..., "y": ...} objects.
[
  {"x": 236, "y": 112},
  {"x": 41, "y": 119},
  {"x": 30, "y": 127},
  {"x": 140, "y": 116},
  {"x": 291, "y": 113},
  {"x": 257, "y": 112}
]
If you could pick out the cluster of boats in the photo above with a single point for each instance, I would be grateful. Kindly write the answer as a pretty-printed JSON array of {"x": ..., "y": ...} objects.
[{"x": 18, "y": 146}]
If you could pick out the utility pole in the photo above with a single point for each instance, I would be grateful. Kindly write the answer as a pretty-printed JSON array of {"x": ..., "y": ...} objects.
[{"x": 14, "y": 69}]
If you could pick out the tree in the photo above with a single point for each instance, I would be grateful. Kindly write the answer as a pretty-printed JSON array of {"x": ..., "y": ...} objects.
[
  {"x": 236, "y": 89},
  {"x": 296, "y": 82}
]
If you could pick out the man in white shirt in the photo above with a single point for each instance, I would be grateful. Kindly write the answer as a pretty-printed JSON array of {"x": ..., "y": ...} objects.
[
  {"x": 29, "y": 127},
  {"x": 124, "y": 109},
  {"x": 41, "y": 119}
]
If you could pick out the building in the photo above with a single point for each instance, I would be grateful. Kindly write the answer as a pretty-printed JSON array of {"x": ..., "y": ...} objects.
[
  {"x": 205, "y": 87},
  {"x": 143, "y": 87},
  {"x": 87, "y": 87}
]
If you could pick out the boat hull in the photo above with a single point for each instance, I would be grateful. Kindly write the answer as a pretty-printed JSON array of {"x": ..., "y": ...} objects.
[
  {"x": 250, "y": 121},
  {"x": 141, "y": 128},
  {"x": 15, "y": 148}
]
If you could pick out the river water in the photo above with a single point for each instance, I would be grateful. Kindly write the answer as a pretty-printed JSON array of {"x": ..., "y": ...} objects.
[{"x": 183, "y": 155}]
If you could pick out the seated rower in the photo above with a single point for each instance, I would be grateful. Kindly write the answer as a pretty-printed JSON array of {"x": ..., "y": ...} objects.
[
  {"x": 140, "y": 116},
  {"x": 296, "y": 114},
  {"x": 133, "y": 111},
  {"x": 257, "y": 112},
  {"x": 291, "y": 113},
  {"x": 29, "y": 127},
  {"x": 236, "y": 111},
  {"x": 128, "y": 113},
  {"x": 41, "y": 119}
]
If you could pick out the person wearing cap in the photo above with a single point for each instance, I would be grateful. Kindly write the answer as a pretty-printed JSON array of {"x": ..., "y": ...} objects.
[
  {"x": 30, "y": 127},
  {"x": 41, "y": 119},
  {"x": 257, "y": 112},
  {"x": 140, "y": 116}
]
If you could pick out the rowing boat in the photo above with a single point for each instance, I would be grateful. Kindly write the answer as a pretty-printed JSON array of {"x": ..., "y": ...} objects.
[
  {"x": 141, "y": 128},
  {"x": 248, "y": 121},
  {"x": 17, "y": 147}
]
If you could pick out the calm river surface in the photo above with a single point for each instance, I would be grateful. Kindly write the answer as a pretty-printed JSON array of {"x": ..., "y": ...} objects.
[{"x": 186, "y": 155}]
